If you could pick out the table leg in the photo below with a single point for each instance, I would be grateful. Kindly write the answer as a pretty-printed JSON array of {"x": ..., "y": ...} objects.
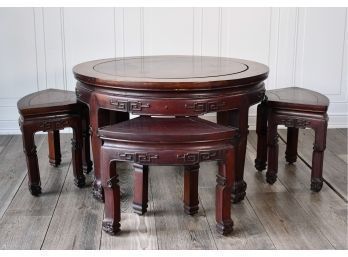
[
  {"x": 98, "y": 118},
  {"x": 237, "y": 118}
]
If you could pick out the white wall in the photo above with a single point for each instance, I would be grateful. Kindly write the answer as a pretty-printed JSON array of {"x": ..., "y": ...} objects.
[{"x": 307, "y": 47}]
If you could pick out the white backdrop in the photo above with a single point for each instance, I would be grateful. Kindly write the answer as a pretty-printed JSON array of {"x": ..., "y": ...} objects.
[{"x": 307, "y": 47}]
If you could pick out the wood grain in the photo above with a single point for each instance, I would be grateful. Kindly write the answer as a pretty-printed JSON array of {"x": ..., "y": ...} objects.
[
  {"x": 33, "y": 214},
  {"x": 4, "y": 140},
  {"x": 76, "y": 222},
  {"x": 175, "y": 229},
  {"x": 286, "y": 222},
  {"x": 285, "y": 215},
  {"x": 248, "y": 232},
  {"x": 170, "y": 72},
  {"x": 327, "y": 211}
]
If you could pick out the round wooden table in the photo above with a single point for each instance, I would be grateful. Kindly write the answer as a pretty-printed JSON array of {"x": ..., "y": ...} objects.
[{"x": 171, "y": 85}]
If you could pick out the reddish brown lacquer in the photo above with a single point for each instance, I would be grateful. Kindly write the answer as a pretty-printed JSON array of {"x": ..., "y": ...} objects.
[
  {"x": 295, "y": 108},
  {"x": 173, "y": 86},
  {"x": 183, "y": 141},
  {"x": 52, "y": 110}
]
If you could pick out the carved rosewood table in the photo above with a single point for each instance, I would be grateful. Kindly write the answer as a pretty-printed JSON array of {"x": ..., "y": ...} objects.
[{"x": 171, "y": 86}]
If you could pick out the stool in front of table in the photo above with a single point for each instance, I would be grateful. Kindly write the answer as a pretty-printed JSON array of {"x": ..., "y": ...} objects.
[
  {"x": 52, "y": 110},
  {"x": 183, "y": 141},
  {"x": 294, "y": 108}
]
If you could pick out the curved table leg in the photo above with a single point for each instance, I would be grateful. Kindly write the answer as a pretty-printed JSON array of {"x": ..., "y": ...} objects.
[
  {"x": 237, "y": 118},
  {"x": 98, "y": 118}
]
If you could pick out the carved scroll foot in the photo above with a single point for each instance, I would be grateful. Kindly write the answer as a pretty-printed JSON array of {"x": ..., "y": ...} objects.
[
  {"x": 97, "y": 191},
  {"x": 87, "y": 167},
  {"x": 111, "y": 227},
  {"x": 80, "y": 182},
  {"x": 238, "y": 191},
  {"x": 271, "y": 178},
  {"x": 225, "y": 228},
  {"x": 316, "y": 184},
  {"x": 54, "y": 162},
  {"x": 139, "y": 209},
  {"x": 290, "y": 158},
  {"x": 191, "y": 210},
  {"x": 260, "y": 165},
  {"x": 35, "y": 190}
]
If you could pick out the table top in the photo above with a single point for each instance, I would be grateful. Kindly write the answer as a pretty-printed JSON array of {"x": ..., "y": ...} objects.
[{"x": 170, "y": 72}]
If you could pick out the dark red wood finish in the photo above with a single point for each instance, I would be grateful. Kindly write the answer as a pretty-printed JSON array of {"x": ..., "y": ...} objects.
[
  {"x": 54, "y": 154},
  {"x": 173, "y": 86},
  {"x": 295, "y": 108},
  {"x": 167, "y": 141},
  {"x": 52, "y": 110}
]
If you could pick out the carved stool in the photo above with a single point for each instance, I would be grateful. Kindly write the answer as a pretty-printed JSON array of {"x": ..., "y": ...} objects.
[
  {"x": 52, "y": 110},
  {"x": 167, "y": 141},
  {"x": 295, "y": 108}
]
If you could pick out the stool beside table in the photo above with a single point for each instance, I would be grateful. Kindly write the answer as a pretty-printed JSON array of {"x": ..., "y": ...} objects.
[
  {"x": 183, "y": 141},
  {"x": 49, "y": 111},
  {"x": 294, "y": 108}
]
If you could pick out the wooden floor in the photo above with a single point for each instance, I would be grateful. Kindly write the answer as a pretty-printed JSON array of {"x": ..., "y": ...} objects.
[{"x": 286, "y": 215}]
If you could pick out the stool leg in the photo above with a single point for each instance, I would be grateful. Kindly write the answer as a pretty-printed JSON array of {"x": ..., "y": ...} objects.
[
  {"x": 86, "y": 157},
  {"x": 54, "y": 154},
  {"x": 291, "y": 145},
  {"x": 225, "y": 178},
  {"x": 112, "y": 207},
  {"x": 32, "y": 162},
  {"x": 76, "y": 148},
  {"x": 272, "y": 143},
  {"x": 261, "y": 130},
  {"x": 141, "y": 178},
  {"x": 318, "y": 157},
  {"x": 191, "y": 189}
]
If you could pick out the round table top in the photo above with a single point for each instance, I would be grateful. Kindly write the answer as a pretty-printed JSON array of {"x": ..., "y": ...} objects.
[{"x": 171, "y": 72}]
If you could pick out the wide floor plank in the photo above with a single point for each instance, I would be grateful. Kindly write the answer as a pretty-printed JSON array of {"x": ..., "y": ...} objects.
[
  {"x": 4, "y": 140},
  {"x": 175, "y": 229},
  {"x": 327, "y": 210},
  {"x": 76, "y": 222},
  {"x": 248, "y": 232},
  {"x": 13, "y": 169},
  {"x": 26, "y": 220},
  {"x": 335, "y": 168},
  {"x": 287, "y": 223}
]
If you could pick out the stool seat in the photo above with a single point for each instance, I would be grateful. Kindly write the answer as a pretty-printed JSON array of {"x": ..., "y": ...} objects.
[
  {"x": 167, "y": 130},
  {"x": 185, "y": 141},
  {"x": 296, "y": 98},
  {"x": 47, "y": 101}
]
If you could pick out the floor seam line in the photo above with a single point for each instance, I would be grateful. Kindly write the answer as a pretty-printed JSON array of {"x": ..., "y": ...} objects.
[{"x": 55, "y": 206}]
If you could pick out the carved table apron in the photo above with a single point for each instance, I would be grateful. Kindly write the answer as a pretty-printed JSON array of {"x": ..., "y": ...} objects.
[{"x": 171, "y": 86}]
